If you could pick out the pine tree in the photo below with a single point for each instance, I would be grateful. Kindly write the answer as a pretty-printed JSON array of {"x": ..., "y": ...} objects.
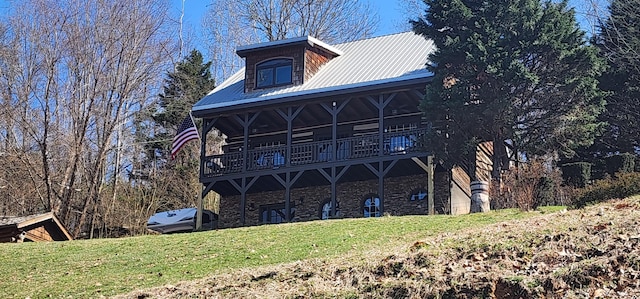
[
  {"x": 174, "y": 182},
  {"x": 516, "y": 71},
  {"x": 619, "y": 40},
  {"x": 189, "y": 82}
]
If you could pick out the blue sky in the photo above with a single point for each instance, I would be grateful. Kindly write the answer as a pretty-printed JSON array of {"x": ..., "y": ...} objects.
[
  {"x": 388, "y": 10},
  {"x": 390, "y": 13}
]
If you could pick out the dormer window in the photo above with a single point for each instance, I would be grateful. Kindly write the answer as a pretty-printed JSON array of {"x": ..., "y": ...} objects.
[{"x": 274, "y": 72}]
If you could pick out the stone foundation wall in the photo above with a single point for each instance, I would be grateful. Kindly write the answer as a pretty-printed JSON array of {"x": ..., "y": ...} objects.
[{"x": 308, "y": 201}]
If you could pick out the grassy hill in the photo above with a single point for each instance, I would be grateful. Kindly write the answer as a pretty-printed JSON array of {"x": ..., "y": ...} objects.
[{"x": 414, "y": 256}]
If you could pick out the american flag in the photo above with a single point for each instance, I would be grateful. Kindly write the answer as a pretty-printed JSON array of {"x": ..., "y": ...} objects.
[{"x": 187, "y": 131}]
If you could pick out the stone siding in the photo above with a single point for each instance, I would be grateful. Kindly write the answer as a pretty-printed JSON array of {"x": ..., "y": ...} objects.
[{"x": 350, "y": 196}]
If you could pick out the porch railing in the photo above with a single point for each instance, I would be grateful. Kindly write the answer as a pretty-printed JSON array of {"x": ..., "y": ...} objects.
[{"x": 357, "y": 147}]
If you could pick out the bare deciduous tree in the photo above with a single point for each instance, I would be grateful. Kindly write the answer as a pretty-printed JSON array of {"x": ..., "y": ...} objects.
[
  {"x": 76, "y": 72},
  {"x": 229, "y": 24}
]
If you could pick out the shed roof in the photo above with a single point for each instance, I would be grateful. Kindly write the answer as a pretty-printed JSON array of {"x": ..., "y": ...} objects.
[
  {"x": 28, "y": 222},
  {"x": 368, "y": 63}
]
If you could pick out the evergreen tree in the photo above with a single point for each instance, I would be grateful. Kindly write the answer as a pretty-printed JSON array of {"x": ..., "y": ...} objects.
[
  {"x": 516, "y": 71},
  {"x": 619, "y": 40},
  {"x": 189, "y": 82},
  {"x": 175, "y": 183}
]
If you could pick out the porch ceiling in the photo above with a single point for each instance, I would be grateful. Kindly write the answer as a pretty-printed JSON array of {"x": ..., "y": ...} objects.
[
  {"x": 313, "y": 115},
  {"x": 359, "y": 172}
]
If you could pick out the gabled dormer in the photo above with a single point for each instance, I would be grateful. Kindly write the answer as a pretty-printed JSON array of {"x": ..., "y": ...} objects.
[{"x": 283, "y": 63}]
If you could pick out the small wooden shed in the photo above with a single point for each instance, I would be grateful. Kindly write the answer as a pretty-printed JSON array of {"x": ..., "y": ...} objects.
[{"x": 35, "y": 228}]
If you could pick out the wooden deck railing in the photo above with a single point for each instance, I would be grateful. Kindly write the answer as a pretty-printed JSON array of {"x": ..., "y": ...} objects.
[{"x": 358, "y": 147}]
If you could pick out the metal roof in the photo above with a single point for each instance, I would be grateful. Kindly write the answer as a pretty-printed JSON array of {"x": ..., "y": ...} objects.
[
  {"x": 364, "y": 63},
  {"x": 14, "y": 220},
  {"x": 309, "y": 40}
]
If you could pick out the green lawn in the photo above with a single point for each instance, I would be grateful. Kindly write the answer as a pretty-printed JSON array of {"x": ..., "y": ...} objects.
[{"x": 91, "y": 268}]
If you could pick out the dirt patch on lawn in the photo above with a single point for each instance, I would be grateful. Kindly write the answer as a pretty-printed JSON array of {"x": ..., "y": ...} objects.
[{"x": 588, "y": 253}]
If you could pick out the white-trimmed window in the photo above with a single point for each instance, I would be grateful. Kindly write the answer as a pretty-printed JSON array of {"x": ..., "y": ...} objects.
[
  {"x": 371, "y": 206},
  {"x": 274, "y": 72},
  {"x": 275, "y": 213},
  {"x": 325, "y": 209}
]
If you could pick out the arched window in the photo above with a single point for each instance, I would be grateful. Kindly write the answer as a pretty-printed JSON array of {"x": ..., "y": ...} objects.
[
  {"x": 371, "y": 206},
  {"x": 275, "y": 213},
  {"x": 274, "y": 72},
  {"x": 325, "y": 209},
  {"x": 418, "y": 194}
]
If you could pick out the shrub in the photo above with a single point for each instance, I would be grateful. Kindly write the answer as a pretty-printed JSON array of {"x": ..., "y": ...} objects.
[
  {"x": 626, "y": 184},
  {"x": 598, "y": 169},
  {"x": 620, "y": 163},
  {"x": 576, "y": 174},
  {"x": 545, "y": 190},
  {"x": 534, "y": 184}
]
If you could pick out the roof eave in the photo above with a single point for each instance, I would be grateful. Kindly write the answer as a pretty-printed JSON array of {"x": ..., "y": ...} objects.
[
  {"x": 41, "y": 219},
  {"x": 243, "y": 51},
  {"x": 207, "y": 110}
]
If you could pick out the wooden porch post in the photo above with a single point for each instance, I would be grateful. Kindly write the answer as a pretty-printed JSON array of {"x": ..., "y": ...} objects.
[
  {"x": 381, "y": 174},
  {"x": 243, "y": 187},
  {"x": 287, "y": 183},
  {"x": 381, "y": 171},
  {"x": 246, "y": 122},
  {"x": 380, "y": 104},
  {"x": 207, "y": 125},
  {"x": 333, "y": 179},
  {"x": 430, "y": 186},
  {"x": 334, "y": 191}
]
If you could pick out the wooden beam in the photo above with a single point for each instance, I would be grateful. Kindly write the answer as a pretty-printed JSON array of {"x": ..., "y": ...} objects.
[
  {"x": 381, "y": 185},
  {"x": 430, "y": 186},
  {"x": 424, "y": 167},
  {"x": 430, "y": 170},
  {"x": 206, "y": 127},
  {"x": 243, "y": 187},
  {"x": 373, "y": 169},
  {"x": 325, "y": 174}
]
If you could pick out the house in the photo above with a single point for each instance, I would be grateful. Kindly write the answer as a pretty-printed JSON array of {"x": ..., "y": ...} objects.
[
  {"x": 317, "y": 131},
  {"x": 34, "y": 228}
]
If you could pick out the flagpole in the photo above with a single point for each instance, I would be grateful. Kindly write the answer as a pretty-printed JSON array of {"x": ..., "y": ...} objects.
[{"x": 194, "y": 124}]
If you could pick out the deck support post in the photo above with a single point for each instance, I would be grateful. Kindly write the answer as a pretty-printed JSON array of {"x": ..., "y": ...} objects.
[
  {"x": 243, "y": 188},
  {"x": 207, "y": 125},
  {"x": 430, "y": 170},
  {"x": 430, "y": 186},
  {"x": 246, "y": 122},
  {"x": 289, "y": 116},
  {"x": 380, "y": 104},
  {"x": 333, "y": 180},
  {"x": 381, "y": 171},
  {"x": 287, "y": 183}
]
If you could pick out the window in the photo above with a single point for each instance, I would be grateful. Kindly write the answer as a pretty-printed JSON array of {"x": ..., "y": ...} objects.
[
  {"x": 274, "y": 213},
  {"x": 418, "y": 194},
  {"x": 275, "y": 72},
  {"x": 371, "y": 206},
  {"x": 325, "y": 209}
]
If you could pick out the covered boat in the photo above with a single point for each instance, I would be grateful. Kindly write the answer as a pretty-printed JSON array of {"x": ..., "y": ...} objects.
[{"x": 182, "y": 220}]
